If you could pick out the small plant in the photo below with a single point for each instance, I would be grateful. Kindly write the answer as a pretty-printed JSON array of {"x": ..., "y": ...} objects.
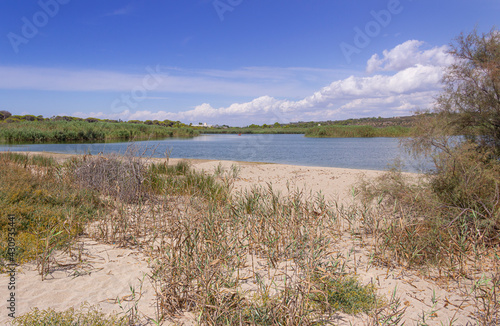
[
  {"x": 389, "y": 314},
  {"x": 86, "y": 315},
  {"x": 486, "y": 296},
  {"x": 340, "y": 293},
  {"x": 44, "y": 258},
  {"x": 132, "y": 313}
]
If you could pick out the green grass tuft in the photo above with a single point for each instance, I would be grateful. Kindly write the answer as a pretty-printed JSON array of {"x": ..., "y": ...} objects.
[{"x": 86, "y": 315}]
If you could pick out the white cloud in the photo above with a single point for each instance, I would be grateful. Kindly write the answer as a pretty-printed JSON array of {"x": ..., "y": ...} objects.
[
  {"x": 250, "y": 81},
  {"x": 379, "y": 95},
  {"x": 409, "y": 54},
  {"x": 121, "y": 11},
  {"x": 410, "y": 80}
]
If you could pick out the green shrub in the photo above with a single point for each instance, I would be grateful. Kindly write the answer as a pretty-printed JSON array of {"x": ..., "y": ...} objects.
[
  {"x": 86, "y": 315},
  {"x": 42, "y": 204},
  {"x": 452, "y": 213},
  {"x": 344, "y": 294}
]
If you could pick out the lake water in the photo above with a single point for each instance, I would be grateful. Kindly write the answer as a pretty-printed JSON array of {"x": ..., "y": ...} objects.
[{"x": 356, "y": 153}]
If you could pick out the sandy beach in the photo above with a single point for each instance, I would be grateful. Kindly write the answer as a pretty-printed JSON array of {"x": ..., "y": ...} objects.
[{"x": 110, "y": 275}]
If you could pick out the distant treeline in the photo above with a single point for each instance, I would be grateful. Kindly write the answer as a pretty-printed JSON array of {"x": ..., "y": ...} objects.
[
  {"x": 340, "y": 131},
  {"x": 7, "y": 117},
  {"x": 37, "y": 129},
  {"x": 30, "y": 128},
  {"x": 403, "y": 121},
  {"x": 286, "y": 129}
]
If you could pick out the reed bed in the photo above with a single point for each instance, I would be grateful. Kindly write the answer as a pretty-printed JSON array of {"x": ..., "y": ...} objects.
[
  {"x": 65, "y": 131},
  {"x": 246, "y": 130},
  {"x": 337, "y": 131}
]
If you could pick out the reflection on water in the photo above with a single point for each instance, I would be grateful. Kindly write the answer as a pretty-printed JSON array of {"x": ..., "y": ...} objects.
[{"x": 356, "y": 153}]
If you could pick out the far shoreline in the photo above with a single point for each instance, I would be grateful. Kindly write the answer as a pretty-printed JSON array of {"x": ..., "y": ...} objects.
[
  {"x": 194, "y": 161},
  {"x": 334, "y": 183}
]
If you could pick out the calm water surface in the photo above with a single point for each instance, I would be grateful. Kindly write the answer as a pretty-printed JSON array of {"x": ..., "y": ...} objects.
[{"x": 356, "y": 153}]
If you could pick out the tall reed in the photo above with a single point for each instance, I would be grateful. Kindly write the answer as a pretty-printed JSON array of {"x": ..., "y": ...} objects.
[{"x": 64, "y": 131}]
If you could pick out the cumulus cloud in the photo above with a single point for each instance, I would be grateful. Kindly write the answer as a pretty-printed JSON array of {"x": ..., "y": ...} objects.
[
  {"x": 379, "y": 95},
  {"x": 408, "y": 54},
  {"x": 404, "y": 79}
]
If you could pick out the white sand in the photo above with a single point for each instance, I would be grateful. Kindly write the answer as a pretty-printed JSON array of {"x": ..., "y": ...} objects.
[{"x": 108, "y": 272}]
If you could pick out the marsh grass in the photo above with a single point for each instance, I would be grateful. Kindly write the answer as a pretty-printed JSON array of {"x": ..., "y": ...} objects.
[
  {"x": 205, "y": 242},
  {"x": 64, "y": 131},
  {"x": 209, "y": 251},
  {"x": 337, "y": 131},
  {"x": 26, "y": 159}
]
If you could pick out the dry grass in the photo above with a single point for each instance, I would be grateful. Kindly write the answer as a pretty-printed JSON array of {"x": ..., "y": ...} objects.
[
  {"x": 258, "y": 257},
  {"x": 447, "y": 224}
]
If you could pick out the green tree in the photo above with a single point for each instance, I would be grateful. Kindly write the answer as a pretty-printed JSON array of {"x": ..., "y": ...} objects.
[
  {"x": 4, "y": 114},
  {"x": 471, "y": 97},
  {"x": 465, "y": 182}
]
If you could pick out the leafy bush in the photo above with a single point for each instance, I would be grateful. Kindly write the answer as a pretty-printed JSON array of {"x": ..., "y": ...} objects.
[{"x": 453, "y": 212}]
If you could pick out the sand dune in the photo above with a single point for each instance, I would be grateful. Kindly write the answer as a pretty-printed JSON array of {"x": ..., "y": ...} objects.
[{"x": 107, "y": 274}]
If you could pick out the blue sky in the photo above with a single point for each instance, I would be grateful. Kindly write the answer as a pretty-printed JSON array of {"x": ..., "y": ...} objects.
[{"x": 231, "y": 62}]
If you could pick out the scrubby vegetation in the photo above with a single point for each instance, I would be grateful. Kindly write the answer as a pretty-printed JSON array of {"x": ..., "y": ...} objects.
[
  {"x": 450, "y": 219},
  {"x": 49, "y": 211},
  {"x": 206, "y": 241},
  {"x": 357, "y": 131},
  {"x": 211, "y": 239}
]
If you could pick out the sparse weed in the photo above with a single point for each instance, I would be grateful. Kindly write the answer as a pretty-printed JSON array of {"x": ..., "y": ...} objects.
[{"x": 86, "y": 315}]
